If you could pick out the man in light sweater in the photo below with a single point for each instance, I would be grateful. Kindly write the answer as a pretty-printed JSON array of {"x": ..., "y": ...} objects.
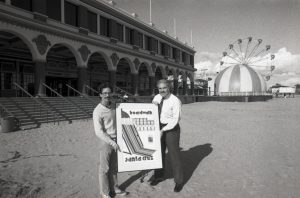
[
  {"x": 169, "y": 107},
  {"x": 105, "y": 128}
]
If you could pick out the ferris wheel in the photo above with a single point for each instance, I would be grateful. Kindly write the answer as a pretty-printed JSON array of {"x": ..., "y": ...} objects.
[{"x": 249, "y": 52}]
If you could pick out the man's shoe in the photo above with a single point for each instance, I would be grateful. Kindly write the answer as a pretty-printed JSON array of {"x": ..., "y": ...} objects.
[
  {"x": 154, "y": 182},
  {"x": 178, "y": 187},
  {"x": 121, "y": 192}
]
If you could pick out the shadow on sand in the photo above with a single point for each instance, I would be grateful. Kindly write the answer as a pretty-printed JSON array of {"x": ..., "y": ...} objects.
[{"x": 190, "y": 161}]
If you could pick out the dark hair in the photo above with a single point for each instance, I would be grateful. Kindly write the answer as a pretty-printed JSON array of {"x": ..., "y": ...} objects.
[{"x": 103, "y": 86}]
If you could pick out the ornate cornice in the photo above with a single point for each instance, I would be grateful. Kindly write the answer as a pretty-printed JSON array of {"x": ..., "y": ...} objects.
[
  {"x": 136, "y": 63},
  {"x": 114, "y": 58},
  {"x": 42, "y": 43},
  {"x": 84, "y": 52}
]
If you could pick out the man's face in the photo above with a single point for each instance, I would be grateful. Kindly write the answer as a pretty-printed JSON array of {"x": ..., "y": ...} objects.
[
  {"x": 106, "y": 94},
  {"x": 163, "y": 89}
]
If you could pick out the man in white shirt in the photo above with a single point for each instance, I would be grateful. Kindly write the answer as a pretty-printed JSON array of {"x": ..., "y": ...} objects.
[
  {"x": 169, "y": 112},
  {"x": 105, "y": 128}
]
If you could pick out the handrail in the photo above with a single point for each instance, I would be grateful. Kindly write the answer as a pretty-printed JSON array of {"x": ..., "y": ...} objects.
[
  {"x": 6, "y": 110},
  {"x": 68, "y": 101},
  {"x": 37, "y": 101},
  {"x": 93, "y": 90},
  {"x": 129, "y": 94},
  {"x": 81, "y": 94}
]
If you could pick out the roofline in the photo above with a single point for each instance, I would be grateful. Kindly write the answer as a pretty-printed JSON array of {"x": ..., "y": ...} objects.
[{"x": 125, "y": 16}]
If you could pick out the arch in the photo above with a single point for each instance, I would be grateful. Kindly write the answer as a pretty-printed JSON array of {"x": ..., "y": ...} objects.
[
  {"x": 16, "y": 59},
  {"x": 144, "y": 82},
  {"x": 75, "y": 53},
  {"x": 162, "y": 70},
  {"x": 28, "y": 43},
  {"x": 129, "y": 61},
  {"x": 106, "y": 58},
  {"x": 97, "y": 71},
  {"x": 124, "y": 71},
  {"x": 62, "y": 69},
  {"x": 148, "y": 66}
]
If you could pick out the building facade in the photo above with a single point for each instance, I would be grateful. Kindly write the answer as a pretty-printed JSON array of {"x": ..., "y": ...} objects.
[{"x": 84, "y": 43}]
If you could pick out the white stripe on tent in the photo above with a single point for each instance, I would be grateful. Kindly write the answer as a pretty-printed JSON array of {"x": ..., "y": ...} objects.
[
  {"x": 246, "y": 80},
  {"x": 224, "y": 81}
]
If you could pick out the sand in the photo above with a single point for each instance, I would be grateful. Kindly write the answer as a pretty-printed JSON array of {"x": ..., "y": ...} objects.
[{"x": 230, "y": 150}]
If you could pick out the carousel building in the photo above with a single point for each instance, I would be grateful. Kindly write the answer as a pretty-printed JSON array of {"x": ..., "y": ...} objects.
[{"x": 84, "y": 43}]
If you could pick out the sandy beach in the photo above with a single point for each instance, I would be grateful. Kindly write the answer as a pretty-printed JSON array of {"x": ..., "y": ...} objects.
[{"x": 229, "y": 149}]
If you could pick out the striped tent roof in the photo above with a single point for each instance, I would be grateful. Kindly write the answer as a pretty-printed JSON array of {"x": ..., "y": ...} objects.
[{"x": 240, "y": 79}]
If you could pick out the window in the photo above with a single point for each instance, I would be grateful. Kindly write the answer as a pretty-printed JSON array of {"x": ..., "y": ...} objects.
[
  {"x": 92, "y": 21},
  {"x": 104, "y": 26},
  {"x": 140, "y": 40},
  {"x": 165, "y": 49},
  {"x": 71, "y": 14},
  {"x": 129, "y": 36},
  {"x": 148, "y": 45},
  {"x": 54, "y": 9},
  {"x": 120, "y": 32},
  {"x": 191, "y": 60},
  {"x": 23, "y": 4},
  {"x": 155, "y": 46},
  {"x": 183, "y": 57},
  {"x": 174, "y": 53}
]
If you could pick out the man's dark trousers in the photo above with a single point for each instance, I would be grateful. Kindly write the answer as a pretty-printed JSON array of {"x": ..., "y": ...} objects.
[{"x": 170, "y": 139}]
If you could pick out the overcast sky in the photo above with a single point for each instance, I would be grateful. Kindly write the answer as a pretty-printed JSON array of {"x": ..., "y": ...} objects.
[{"x": 217, "y": 23}]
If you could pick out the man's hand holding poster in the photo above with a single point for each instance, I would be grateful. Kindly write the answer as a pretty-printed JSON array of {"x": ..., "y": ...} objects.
[{"x": 138, "y": 136}]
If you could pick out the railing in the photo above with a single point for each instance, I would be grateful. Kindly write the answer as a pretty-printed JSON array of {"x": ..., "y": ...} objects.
[
  {"x": 123, "y": 91},
  {"x": 92, "y": 90},
  {"x": 41, "y": 105},
  {"x": 68, "y": 101},
  {"x": 243, "y": 93},
  {"x": 4, "y": 111},
  {"x": 82, "y": 95}
]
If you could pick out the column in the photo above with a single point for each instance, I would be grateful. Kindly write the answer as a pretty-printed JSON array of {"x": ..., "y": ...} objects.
[
  {"x": 175, "y": 89},
  {"x": 192, "y": 88},
  {"x": 112, "y": 79},
  {"x": 135, "y": 83},
  {"x": 184, "y": 83},
  {"x": 39, "y": 78},
  {"x": 62, "y": 11},
  {"x": 152, "y": 85},
  {"x": 82, "y": 77}
]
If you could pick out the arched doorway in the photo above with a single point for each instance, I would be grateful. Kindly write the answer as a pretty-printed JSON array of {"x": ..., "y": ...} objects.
[
  {"x": 171, "y": 77},
  {"x": 180, "y": 83},
  {"x": 123, "y": 76},
  {"x": 16, "y": 65},
  {"x": 97, "y": 72},
  {"x": 144, "y": 83},
  {"x": 158, "y": 76},
  {"x": 61, "y": 69}
]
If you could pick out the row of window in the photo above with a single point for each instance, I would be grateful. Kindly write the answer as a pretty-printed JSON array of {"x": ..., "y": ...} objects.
[{"x": 108, "y": 28}]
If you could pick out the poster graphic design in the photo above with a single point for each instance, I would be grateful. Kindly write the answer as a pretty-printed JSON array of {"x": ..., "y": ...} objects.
[{"x": 138, "y": 137}]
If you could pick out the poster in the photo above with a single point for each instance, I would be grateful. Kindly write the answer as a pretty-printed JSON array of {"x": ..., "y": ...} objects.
[{"x": 138, "y": 137}]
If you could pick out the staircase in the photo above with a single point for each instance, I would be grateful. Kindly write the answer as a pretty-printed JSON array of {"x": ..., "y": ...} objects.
[{"x": 29, "y": 112}]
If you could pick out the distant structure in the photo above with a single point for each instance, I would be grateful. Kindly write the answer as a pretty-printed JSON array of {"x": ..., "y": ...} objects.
[
  {"x": 240, "y": 80},
  {"x": 238, "y": 76}
]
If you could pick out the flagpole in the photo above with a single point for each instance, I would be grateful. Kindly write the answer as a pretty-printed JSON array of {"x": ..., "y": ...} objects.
[
  {"x": 191, "y": 37},
  {"x": 175, "y": 34},
  {"x": 150, "y": 12}
]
